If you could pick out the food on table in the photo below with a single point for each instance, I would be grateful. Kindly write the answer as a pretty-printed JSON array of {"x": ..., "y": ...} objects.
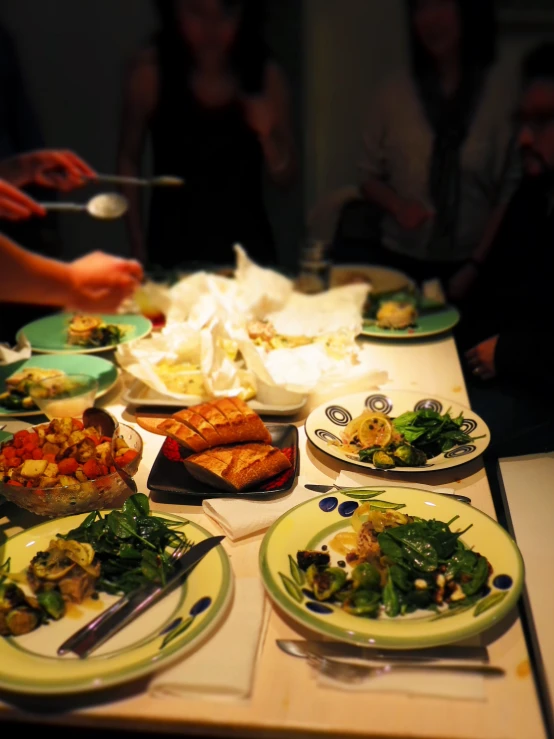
[
  {"x": 150, "y": 422},
  {"x": 393, "y": 564},
  {"x": 92, "y": 331},
  {"x": 185, "y": 378},
  {"x": 59, "y": 454},
  {"x": 396, "y": 315},
  {"x": 67, "y": 572},
  {"x": 114, "y": 553},
  {"x": 231, "y": 444},
  {"x": 409, "y": 440},
  {"x": 263, "y": 334},
  {"x": 16, "y": 396}
]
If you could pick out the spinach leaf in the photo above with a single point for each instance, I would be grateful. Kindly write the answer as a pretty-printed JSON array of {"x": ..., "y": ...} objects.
[
  {"x": 479, "y": 577},
  {"x": 390, "y": 598}
]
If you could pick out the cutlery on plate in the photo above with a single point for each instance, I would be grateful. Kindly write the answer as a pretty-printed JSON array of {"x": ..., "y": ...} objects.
[
  {"x": 344, "y": 650},
  {"x": 328, "y": 488},
  {"x": 88, "y": 638},
  {"x": 354, "y": 673}
]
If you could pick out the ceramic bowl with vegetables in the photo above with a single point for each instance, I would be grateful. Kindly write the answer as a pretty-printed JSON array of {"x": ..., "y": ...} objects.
[{"x": 61, "y": 468}]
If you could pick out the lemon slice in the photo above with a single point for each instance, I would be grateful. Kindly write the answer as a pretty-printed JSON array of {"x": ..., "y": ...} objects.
[
  {"x": 374, "y": 430},
  {"x": 344, "y": 542}
]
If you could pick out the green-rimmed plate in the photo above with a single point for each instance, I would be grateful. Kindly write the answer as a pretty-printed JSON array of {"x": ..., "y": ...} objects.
[
  {"x": 428, "y": 324},
  {"x": 105, "y": 372},
  {"x": 314, "y": 523},
  {"x": 49, "y": 335},
  {"x": 165, "y": 633}
]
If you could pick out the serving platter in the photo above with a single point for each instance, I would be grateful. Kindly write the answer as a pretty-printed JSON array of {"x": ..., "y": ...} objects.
[
  {"x": 167, "y": 632},
  {"x": 327, "y": 422},
  {"x": 49, "y": 335},
  {"x": 139, "y": 394},
  {"x": 312, "y": 525},
  {"x": 168, "y": 473},
  {"x": 105, "y": 372}
]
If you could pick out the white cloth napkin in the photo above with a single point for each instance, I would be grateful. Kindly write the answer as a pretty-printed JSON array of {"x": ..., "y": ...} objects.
[
  {"x": 21, "y": 351},
  {"x": 224, "y": 666},
  {"x": 240, "y": 518},
  {"x": 440, "y": 685},
  {"x": 352, "y": 479}
]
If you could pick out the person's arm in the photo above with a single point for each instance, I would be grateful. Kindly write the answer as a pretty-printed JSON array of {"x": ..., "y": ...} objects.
[
  {"x": 139, "y": 101},
  {"x": 62, "y": 170},
  {"x": 270, "y": 117},
  {"x": 96, "y": 282}
]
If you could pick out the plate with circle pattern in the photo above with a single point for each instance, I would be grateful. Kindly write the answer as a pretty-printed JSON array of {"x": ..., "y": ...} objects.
[
  {"x": 326, "y": 423},
  {"x": 314, "y": 524}
]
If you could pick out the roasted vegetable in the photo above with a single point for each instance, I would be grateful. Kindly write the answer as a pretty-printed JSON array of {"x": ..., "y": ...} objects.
[
  {"x": 383, "y": 461},
  {"x": 307, "y": 558},
  {"x": 325, "y": 583},
  {"x": 52, "y": 603},
  {"x": 366, "y": 577}
]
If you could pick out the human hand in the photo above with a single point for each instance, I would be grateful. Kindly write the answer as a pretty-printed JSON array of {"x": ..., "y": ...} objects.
[
  {"x": 15, "y": 205},
  {"x": 412, "y": 214},
  {"x": 481, "y": 359},
  {"x": 100, "y": 282},
  {"x": 259, "y": 115},
  {"x": 462, "y": 281},
  {"x": 61, "y": 170}
]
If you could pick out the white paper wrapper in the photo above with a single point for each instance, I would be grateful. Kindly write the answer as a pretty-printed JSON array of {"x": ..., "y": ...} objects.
[
  {"x": 207, "y": 326},
  {"x": 15, "y": 354}
]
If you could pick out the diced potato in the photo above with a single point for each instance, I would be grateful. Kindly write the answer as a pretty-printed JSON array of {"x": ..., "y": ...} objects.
[
  {"x": 86, "y": 450},
  {"x": 33, "y": 467},
  {"x": 120, "y": 444},
  {"x": 51, "y": 470},
  {"x": 68, "y": 480},
  {"x": 80, "y": 475},
  {"x": 75, "y": 437},
  {"x": 49, "y": 448},
  {"x": 104, "y": 452},
  {"x": 60, "y": 439},
  {"x": 48, "y": 482}
]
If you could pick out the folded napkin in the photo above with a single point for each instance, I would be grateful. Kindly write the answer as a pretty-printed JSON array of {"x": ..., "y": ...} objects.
[
  {"x": 452, "y": 685},
  {"x": 240, "y": 518},
  {"x": 353, "y": 479},
  {"x": 224, "y": 666},
  {"x": 21, "y": 351}
]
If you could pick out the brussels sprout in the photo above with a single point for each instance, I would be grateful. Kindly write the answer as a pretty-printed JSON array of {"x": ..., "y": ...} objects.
[
  {"x": 10, "y": 597},
  {"x": 383, "y": 461},
  {"x": 307, "y": 558},
  {"x": 52, "y": 603},
  {"x": 366, "y": 577},
  {"x": 404, "y": 456},
  {"x": 363, "y": 603},
  {"x": 22, "y": 620},
  {"x": 325, "y": 583}
]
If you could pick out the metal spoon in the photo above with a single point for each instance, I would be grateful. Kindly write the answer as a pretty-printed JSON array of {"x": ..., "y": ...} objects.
[
  {"x": 107, "y": 425},
  {"x": 106, "y": 206},
  {"x": 159, "y": 180}
]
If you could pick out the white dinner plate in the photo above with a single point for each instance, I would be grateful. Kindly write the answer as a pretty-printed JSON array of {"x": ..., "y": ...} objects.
[{"x": 326, "y": 423}]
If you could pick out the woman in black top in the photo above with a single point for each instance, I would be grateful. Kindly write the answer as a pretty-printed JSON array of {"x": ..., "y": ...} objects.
[{"x": 216, "y": 107}]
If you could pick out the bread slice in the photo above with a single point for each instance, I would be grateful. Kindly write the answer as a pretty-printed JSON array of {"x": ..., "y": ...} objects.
[
  {"x": 246, "y": 427},
  {"x": 237, "y": 468},
  {"x": 200, "y": 425},
  {"x": 225, "y": 429},
  {"x": 151, "y": 423},
  {"x": 255, "y": 422},
  {"x": 183, "y": 435}
]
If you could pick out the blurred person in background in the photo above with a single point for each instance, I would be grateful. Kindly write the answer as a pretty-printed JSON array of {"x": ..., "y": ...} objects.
[
  {"x": 437, "y": 147},
  {"x": 216, "y": 108},
  {"x": 509, "y": 360}
]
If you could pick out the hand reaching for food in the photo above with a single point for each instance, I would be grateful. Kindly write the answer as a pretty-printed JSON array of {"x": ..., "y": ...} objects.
[
  {"x": 481, "y": 359},
  {"x": 99, "y": 282},
  {"x": 56, "y": 169},
  {"x": 15, "y": 205}
]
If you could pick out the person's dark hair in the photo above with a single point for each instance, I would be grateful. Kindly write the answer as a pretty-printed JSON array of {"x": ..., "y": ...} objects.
[
  {"x": 539, "y": 63},
  {"x": 478, "y": 36},
  {"x": 249, "y": 54}
]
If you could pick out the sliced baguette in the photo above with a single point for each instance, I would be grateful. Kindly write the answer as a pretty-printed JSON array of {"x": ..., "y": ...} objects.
[
  {"x": 151, "y": 423},
  {"x": 255, "y": 422},
  {"x": 200, "y": 425},
  {"x": 246, "y": 426},
  {"x": 226, "y": 430},
  {"x": 183, "y": 435},
  {"x": 237, "y": 468}
]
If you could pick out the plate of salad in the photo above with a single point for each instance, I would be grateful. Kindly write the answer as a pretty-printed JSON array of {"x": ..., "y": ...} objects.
[
  {"x": 400, "y": 430},
  {"x": 59, "y": 575},
  {"x": 68, "y": 333},
  {"x": 392, "y": 567}
]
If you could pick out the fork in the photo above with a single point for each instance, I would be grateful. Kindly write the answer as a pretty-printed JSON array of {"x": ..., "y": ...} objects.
[{"x": 348, "y": 672}]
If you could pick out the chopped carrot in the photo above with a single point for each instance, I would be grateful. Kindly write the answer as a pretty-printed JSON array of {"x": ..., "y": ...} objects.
[
  {"x": 9, "y": 451},
  {"x": 15, "y": 483},
  {"x": 49, "y": 457},
  {"x": 128, "y": 457},
  {"x": 68, "y": 466},
  {"x": 36, "y": 453},
  {"x": 92, "y": 469},
  {"x": 15, "y": 461},
  {"x": 78, "y": 425},
  {"x": 105, "y": 438}
]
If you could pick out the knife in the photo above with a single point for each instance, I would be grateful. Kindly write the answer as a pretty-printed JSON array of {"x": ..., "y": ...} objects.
[
  {"x": 344, "y": 650},
  {"x": 130, "y": 606},
  {"x": 338, "y": 489}
]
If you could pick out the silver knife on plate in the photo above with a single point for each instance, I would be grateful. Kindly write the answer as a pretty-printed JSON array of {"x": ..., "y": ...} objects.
[
  {"x": 333, "y": 488},
  {"x": 344, "y": 650},
  {"x": 88, "y": 638}
]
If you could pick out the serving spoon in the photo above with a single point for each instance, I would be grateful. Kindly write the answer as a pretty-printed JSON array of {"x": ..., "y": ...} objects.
[
  {"x": 164, "y": 180},
  {"x": 105, "y": 206},
  {"x": 107, "y": 425}
]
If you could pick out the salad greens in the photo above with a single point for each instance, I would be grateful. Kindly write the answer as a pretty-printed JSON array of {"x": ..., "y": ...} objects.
[
  {"x": 131, "y": 545},
  {"x": 417, "y": 565},
  {"x": 419, "y": 436}
]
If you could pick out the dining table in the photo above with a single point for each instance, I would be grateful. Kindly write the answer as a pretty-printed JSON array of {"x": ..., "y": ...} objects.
[{"x": 286, "y": 700}]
